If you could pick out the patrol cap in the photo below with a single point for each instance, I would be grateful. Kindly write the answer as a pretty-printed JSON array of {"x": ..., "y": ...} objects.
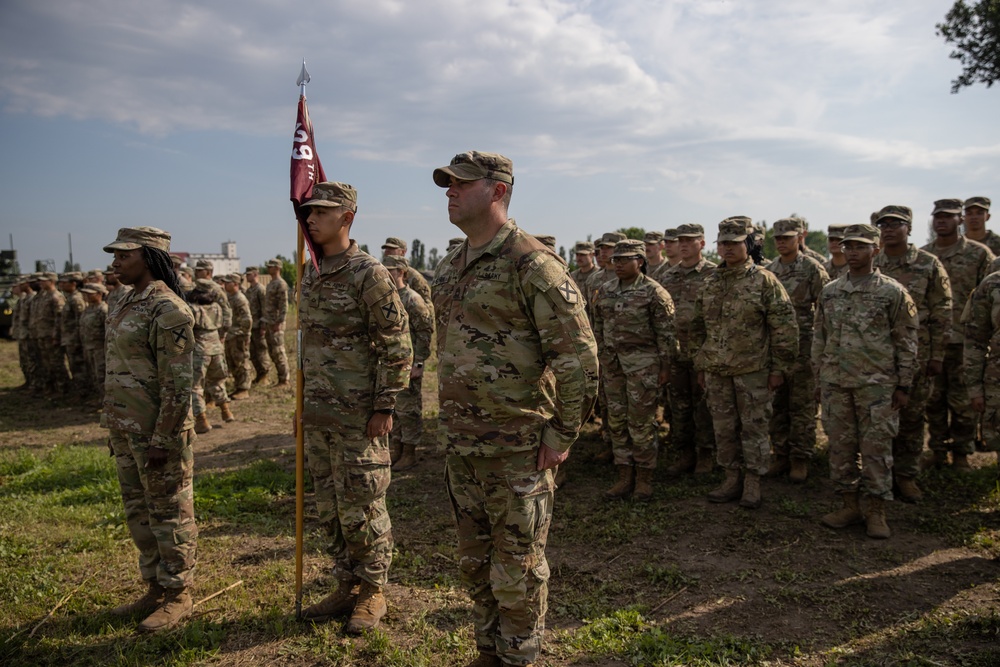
[
  {"x": 670, "y": 234},
  {"x": 393, "y": 242},
  {"x": 273, "y": 262},
  {"x": 547, "y": 240},
  {"x": 232, "y": 278},
  {"x": 690, "y": 230},
  {"x": 788, "y": 227},
  {"x": 176, "y": 260},
  {"x": 472, "y": 166},
  {"x": 108, "y": 270},
  {"x": 583, "y": 248},
  {"x": 204, "y": 264},
  {"x": 610, "y": 239},
  {"x": 94, "y": 288},
  {"x": 204, "y": 284},
  {"x": 48, "y": 275},
  {"x": 981, "y": 202},
  {"x": 333, "y": 194},
  {"x": 455, "y": 242},
  {"x": 947, "y": 206},
  {"x": 70, "y": 275},
  {"x": 133, "y": 238},
  {"x": 395, "y": 262},
  {"x": 252, "y": 269},
  {"x": 904, "y": 213},
  {"x": 630, "y": 248},
  {"x": 187, "y": 271},
  {"x": 37, "y": 275},
  {"x": 836, "y": 231},
  {"x": 863, "y": 233},
  {"x": 652, "y": 237},
  {"x": 735, "y": 228},
  {"x": 93, "y": 273},
  {"x": 873, "y": 217}
]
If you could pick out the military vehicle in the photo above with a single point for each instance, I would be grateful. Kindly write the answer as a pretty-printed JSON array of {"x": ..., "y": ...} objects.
[{"x": 9, "y": 271}]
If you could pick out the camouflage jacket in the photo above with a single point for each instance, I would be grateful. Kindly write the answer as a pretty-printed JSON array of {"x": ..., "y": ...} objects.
[
  {"x": 416, "y": 282},
  {"x": 207, "y": 325},
  {"x": 502, "y": 319},
  {"x": 421, "y": 321},
  {"x": 812, "y": 254},
  {"x": 865, "y": 334},
  {"x": 803, "y": 280},
  {"x": 967, "y": 263},
  {"x": 242, "y": 319},
  {"x": 92, "y": 326},
  {"x": 221, "y": 298},
  {"x": 658, "y": 272},
  {"x": 115, "y": 296},
  {"x": 276, "y": 301},
  {"x": 356, "y": 351},
  {"x": 834, "y": 272},
  {"x": 744, "y": 322},
  {"x": 149, "y": 352},
  {"x": 635, "y": 324},
  {"x": 19, "y": 328},
  {"x": 982, "y": 339},
  {"x": 684, "y": 285},
  {"x": 45, "y": 315},
  {"x": 582, "y": 281},
  {"x": 256, "y": 300},
  {"x": 69, "y": 320},
  {"x": 992, "y": 241},
  {"x": 925, "y": 279}
]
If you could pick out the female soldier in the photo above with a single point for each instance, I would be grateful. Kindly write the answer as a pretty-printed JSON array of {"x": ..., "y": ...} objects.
[{"x": 209, "y": 364}]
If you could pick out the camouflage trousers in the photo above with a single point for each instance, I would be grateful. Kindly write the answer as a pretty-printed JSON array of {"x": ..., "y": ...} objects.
[
  {"x": 690, "y": 420},
  {"x": 276, "y": 350},
  {"x": 795, "y": 410},
  {"x": 27, "y": 356},
  {"x": 96, "y": 365},
  {"x": 258, "y": 353},
  {"x": 159, "y": 507},
  {"x": 909, "y": 443},
  {"x": 238, "y": 360},
  {"x": 991, "y": 417},
  {"x": 741, "y": 411},
  {"x": 209, "y": 378},
  {"x": 632, "y": 401},
  {"x": 950, "y": 419},
  {"x": 503, "y": 509},
  {"x": 408, "y": 423},
  {"x": 78, "y": 367},
  {"x": 351, "y": 475},
  {"x": 52, "y": 366},
  {"x": 860, "y": 422}
]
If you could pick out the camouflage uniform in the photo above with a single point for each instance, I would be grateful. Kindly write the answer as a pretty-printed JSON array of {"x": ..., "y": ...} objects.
[
  {"x": 27, "y": 349},
  {"x": 69, "y": 333},
  {"x": 148, "y": 403},
  {"x": 275, "y": 309},
  {"x": 408, "y": 426},
  {"x": 834, "y": 272},
  {"x": 982, "y": 355},
  {"x": 92, "y": 332},
  {"x": 991, "y": 241},
  {"x": 238, "y": 341},
  {"x": 793, "y": 422},
  {"x": 258, "y": 335},
  {"x": 926, "y": 281},
  {"x": 864, "y": 348},
  {"x": 44, "y": 325},
  {"x": 356, "y": 357},
  {"x": 209, "y": 360},
  {"x": 504, "y": 316},
  {"x": 634, "y": 330},
  {"x": 115, "y": 294},
  {"x": 416, "y": 282},
  {"x": 950, "y": 419}
]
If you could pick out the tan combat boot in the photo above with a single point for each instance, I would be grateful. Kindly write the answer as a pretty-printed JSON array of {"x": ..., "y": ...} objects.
[
  {"x": 799, "y": 470},
  {"x": 241, "y": 395},
  {"x": 623, "y": 487},
  {"x": 960, "y": 462},
  {"x": 909, "y": 492},
  {"x": 779, "y": 466},
  {"x": 176, "y": 606},
  {"x": 684, "y": 464},
  {"x": 486, "y": 660},
  {"x": 876, "y": 527},
  {"x": 338, "y": 603},
  {"x": 730, "y": 489},
  {"x": 407, "y": 460},
  {"x": 369, "y": 609},
  {"x": 751, "y": 491},
  {"x": 706, "y": 462},
  {"x": 643, "y": 484},
  {"x": 201, "y": 423},
  {"x": 848, "y": 515},
  {"x": 149, "y": 601},
  {"x": 227, "y": 414}
]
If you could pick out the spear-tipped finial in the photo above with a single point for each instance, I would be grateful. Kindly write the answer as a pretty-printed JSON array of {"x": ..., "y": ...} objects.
[{"x": 303, "y": 78}]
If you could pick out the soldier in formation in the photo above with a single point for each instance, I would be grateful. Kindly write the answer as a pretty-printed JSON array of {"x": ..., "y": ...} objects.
[
  {"x": 92, "y": 333},
  {"x": 237, "y": 343},
  {"x": 273, "y": 319},
  {"x": 209, "y": 360},
  {"x": 257, "y": 301}
]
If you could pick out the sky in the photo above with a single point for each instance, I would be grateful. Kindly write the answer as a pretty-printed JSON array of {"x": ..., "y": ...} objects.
[{"x": 616, "y": 113}]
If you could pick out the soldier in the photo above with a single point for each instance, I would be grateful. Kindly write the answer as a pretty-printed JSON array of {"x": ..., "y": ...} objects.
[
  {"x": 836, "y": 266},
  {"x": 654, "y": 254},
  {"x": 69, "y": 329},
  {"x": 671, "y": 247},
  {"x": 605, "y": 249},
  {"x": 238, "y": 341},
  {"x": 585, "y": 266},
  {"x": 414, "y": 279},
  {"x": 793, "y": 422},
  {"x": 805, "y": 249},
  {"x": 356, "y": 358},
  {"x": 258, "y": 330},
  {"x": 443, "y": 265},
  {"x": 273, "y": 319},
  {"x": 203, "y": 270},
  {"x": 864, "y": 354},
  {"x": 982, "y": 364},
  {"x": 926, "y": 281},
  {"x": 746, "y": 339},
  {"x": 45, "y": 327},
  {"x": 950, "y": 418},
  {"x": 92, "y": 332},
  {"x": 147, "y": 409},
  {"x": 502, "y": 436},
  {"x": 634, "y": 329},
  {"x": 408, "y": 425},
  {"x": 94, "y": 277},
  {"x": 209, "y": 360},
  {"x": 977, "y": 212},
  {"x": 27, "y": 344},
  {"x": 690, "y": 422},
  {"x": 116, "y": 290}
]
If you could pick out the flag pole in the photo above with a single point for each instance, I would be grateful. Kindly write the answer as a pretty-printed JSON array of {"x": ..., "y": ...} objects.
[{"x": 299, "y": 390}]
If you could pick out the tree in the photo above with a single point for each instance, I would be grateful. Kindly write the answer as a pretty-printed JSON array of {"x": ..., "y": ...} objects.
[
  {"x": 288, "y": 272},
  {"x": 633, "y": 232},
  {"x": 432, "y": 259},
  {"x": 975, "y": 32},
  {"x": 417, "y": 255}
]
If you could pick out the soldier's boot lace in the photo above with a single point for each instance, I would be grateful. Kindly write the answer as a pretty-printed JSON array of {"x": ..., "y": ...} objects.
[
  {"x": 369, "y": 610},
  {"x": 486, "y": 660},
  {"x": 149, "y": 601},
  {"x": 706, "y": 462},
  {"x": 779, "y": 466},
  {"x": 799, "y": 470},
  {"x": 407, "y": 460},
  {"x": 227, "y": 414},
  {"x": 909, "y": 492},
  {"x": 876, "y": 527},
  {"x": 201, "y": 423},
  {"x": 643, "y": 484},
  {"x": 960, "y": 462},
  {"x": 176, "y": 606},
  {"x": 751, "y": 491},
  {"x": 685, "y": 464},
  {"x": 623, "y": 487},
  {"x": 730, "y": 489},
  {"x": 341, "y": 602},
  {"x": 848, "y": 515}
]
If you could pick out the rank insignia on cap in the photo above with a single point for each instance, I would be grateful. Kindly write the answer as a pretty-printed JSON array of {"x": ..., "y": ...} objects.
[{"x": 569, "y": 292}]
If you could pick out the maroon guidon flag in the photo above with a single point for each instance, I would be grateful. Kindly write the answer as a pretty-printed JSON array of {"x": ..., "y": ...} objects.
[{"x": 306, "y": 169}]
